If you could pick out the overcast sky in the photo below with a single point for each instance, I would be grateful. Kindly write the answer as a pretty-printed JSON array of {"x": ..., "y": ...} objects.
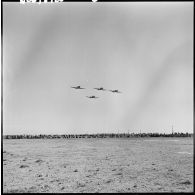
[{"x": 144, "y": 50}]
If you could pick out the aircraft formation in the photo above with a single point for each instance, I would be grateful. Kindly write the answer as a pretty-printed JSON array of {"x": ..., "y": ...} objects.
[{"x": 99, "y": 89}]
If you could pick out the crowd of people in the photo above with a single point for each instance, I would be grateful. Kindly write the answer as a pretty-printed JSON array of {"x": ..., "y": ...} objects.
[{"x": 99, "y": 135}]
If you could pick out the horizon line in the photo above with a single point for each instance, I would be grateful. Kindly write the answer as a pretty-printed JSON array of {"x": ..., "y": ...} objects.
[{"x": 105, "y": 133}]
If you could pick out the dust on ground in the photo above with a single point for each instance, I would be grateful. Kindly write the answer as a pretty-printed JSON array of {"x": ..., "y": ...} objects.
[{"x": 98, "y": 165}]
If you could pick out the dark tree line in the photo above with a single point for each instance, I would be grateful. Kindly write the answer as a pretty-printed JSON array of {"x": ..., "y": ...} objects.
[{"x": 99, "y": 135}]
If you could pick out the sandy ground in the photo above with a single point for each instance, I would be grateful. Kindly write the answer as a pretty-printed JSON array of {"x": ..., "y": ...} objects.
[{"x": 98, "y": 165}]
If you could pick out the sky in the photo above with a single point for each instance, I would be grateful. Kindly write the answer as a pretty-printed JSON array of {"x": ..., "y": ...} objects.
[{"x": 143, "y": 49}]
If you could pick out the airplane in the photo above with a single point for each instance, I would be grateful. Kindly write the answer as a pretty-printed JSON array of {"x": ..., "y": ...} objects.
[
  {"x": 101, "y": 88},
  {"x": 115, "y": 91},
  {"x": 78, "y": 87},
  {"x": 92, "y": 96}
]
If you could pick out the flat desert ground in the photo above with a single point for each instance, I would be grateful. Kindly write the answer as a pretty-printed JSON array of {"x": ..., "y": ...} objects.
[{"x": 98, "y": 165}]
